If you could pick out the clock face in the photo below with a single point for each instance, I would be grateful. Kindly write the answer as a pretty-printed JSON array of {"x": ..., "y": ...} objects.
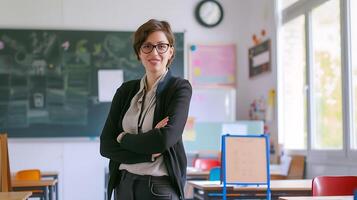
[{"x": 209, "y": 13}]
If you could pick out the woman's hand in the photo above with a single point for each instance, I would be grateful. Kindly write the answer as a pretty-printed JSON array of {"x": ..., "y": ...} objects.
[
  {"x": 162, "y": 123},
  {"x": 155, "y": 155}
]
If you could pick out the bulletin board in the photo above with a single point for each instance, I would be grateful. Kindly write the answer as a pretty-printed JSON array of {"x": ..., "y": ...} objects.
[
  {"x": 212, "y": 65},
  {"x": 246, "y": 159},
  {"x": 49, "y": 79}
]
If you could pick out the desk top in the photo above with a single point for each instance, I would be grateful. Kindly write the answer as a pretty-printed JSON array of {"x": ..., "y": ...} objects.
[
  {"x": 38, "y": 183},
  {"x": 49, "y": 173},
  {"x": 318, "y": 198},
  {"x": 43, "y": 174},
  {"x": 199, "y": 173},
  {"x": 275, "y": 185},
  {"x": 15, "y": 195},
  {"x": 191, "y": 171}
]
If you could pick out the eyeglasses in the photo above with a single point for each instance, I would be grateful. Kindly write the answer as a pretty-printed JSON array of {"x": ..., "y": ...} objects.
[{"x": 160, "y": 48}]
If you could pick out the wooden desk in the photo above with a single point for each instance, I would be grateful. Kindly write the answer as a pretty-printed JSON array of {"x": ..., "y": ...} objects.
[
  {"x": 204, "y": 175},
  {"x": 318, "y": 198},
  {"x": 44, "y": 174},
  {"x": 206, "y": 189},
  {"x": 197, "y": 175},
  {"x": 45, "y": 185},
  {"x": 15, "y": 195},
  {"x": 277, "y": 172},
  {"x": 52, "y": 175},
  {"x": 47, "y": 175}
]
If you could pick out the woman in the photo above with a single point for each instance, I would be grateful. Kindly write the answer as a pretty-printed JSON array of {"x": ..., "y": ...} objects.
[{"x": 142, "y": 135}]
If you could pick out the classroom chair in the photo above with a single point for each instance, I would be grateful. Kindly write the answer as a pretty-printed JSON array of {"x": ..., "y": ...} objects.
[
  {"x": 5, "y": 181},
  {"x": 215, "y": 174},
  {"x": 334, "y": 185},
  {"x": 297, "y": 167},
  {"x": 30, "y": 175},
  {"x": 205, "y": 164}
]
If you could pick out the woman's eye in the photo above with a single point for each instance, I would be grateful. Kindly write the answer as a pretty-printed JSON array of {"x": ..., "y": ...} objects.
[
  {"x": 161, "y": 46},
  {"x": 147, "y": 46}
]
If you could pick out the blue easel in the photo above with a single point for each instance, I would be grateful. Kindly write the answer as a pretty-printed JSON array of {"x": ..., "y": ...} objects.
[{"x": 224, "y": 167}]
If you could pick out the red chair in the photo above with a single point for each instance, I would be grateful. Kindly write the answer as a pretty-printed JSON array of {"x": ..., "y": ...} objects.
[
  {"x": 205, "y": 164},
  {"x": 334, "y": 185}
]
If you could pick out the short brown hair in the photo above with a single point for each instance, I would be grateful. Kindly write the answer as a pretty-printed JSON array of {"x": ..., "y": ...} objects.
[{"x": 149, "y": 27}]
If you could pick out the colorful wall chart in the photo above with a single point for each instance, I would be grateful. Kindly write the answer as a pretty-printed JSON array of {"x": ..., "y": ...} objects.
[{"x": 212, "y": 65}]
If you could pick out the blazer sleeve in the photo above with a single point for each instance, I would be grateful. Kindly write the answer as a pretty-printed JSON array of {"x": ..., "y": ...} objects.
[
  {"x": 159, "y": 140},
  {"x": 109, "y": 147}
]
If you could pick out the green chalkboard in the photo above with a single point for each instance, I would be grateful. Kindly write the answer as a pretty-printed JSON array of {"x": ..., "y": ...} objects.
[{"x": 49, "y": 81}]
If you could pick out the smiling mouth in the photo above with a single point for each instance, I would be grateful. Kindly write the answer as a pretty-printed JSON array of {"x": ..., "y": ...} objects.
[{"x": 154, "y": 60}]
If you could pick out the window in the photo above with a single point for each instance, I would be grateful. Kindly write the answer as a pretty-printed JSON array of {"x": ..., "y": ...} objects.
[
  {"x": 287, "y": 3},
  {"x": 314, "y": 76},
  {"x": 294, "y": 83},
  {"x": 353, "y": 12},
  {"x": 327, "y": 132}
]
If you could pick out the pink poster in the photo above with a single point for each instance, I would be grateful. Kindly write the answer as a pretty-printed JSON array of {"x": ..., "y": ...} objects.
[{"x": 213, "y": 65}]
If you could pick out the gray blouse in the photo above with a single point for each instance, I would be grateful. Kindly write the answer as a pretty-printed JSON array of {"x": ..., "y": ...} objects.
[{"x": 131, "y": 124}]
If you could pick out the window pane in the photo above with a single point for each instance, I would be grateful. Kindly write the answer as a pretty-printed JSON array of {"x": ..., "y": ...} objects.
[
  {"x": 354, "y": 68},
  {"x": 327, "y": 91},
  {"x": 293, "y": 69},
  {"x": 287, "y": 3}
]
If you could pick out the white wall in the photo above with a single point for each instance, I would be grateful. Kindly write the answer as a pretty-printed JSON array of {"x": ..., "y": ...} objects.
[
  {"x": 253, "y": 16},
  {"x": 255, "y": 19},
  {"x": 116, "y": 15},
  {"x": 78, "y": 161},
  {"x": 80, "y": 167}
]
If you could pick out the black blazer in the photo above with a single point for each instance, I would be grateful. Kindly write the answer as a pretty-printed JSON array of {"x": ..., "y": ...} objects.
[{"x": 173, "y": 97}]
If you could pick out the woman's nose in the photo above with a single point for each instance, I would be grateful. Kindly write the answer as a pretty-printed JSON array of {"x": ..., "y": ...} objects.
[{"x": 154, "y": 51}]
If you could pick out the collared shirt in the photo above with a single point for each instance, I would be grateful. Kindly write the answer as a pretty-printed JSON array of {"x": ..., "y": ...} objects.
[{"x": 138, "y": 120}]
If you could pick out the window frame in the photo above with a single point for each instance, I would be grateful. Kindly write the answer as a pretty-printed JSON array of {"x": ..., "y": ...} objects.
[
  {"x": 305, "y": 8},
  {"x": 347, "y": 76}
]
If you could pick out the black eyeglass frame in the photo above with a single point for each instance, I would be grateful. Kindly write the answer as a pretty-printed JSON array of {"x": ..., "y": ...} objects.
[{"x": 155, "y": 46}]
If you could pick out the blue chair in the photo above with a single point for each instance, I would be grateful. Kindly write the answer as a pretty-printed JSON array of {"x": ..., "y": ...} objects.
[{"x": 215, "y": 174}]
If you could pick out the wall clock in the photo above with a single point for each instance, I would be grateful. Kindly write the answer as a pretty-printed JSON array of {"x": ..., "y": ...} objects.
[{"x": 209, "y": 13}]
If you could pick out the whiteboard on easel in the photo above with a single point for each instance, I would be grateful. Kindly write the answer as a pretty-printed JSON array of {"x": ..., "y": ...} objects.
[
  {"x": 213, "y": 105},
  {"x": 246, "y": 159}
]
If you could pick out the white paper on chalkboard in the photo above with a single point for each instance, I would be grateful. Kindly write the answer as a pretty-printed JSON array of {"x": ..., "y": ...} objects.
[
  {"x": 213, "y": 105},
  {"x": 109, "y": 81}
]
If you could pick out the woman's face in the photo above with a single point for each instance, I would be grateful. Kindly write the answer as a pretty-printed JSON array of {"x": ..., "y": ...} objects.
[{"x": 155, "y": 53}]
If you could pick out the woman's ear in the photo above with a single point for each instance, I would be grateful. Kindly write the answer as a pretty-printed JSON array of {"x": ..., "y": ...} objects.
[{"x": 172, "y": 50}]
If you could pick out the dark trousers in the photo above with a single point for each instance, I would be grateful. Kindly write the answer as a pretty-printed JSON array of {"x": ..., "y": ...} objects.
[{"x": 144, "y": 187}]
